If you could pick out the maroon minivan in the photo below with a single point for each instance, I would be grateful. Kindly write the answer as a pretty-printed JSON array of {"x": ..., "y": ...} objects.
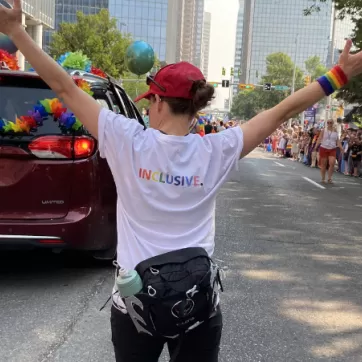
[{"x": 55, "y": 190}]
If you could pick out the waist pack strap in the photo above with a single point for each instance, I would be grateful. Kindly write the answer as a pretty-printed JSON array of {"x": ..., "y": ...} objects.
[{"x": 178, "y": 256}]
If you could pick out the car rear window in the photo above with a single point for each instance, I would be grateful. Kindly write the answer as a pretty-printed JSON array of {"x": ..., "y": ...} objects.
[{"x": 18, "y": 97}]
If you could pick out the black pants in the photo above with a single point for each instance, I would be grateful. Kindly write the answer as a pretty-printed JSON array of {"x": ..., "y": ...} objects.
[{"x": 199, "y": 345}]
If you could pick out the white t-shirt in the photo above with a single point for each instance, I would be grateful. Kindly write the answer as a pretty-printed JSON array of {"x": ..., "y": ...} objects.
[{"x": 166, "y": 185}]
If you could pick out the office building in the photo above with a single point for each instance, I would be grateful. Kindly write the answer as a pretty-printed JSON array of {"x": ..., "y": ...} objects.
[
  {"x": 238, "y": 44},
  {"x": 37, "y": 17},
  {"x": 343, "y": 30},
  {"x": 205, "y": 44},
  {"x": 280, "y": 26},
  {"x": 185, "y": 31},
  {"x": 66, "y": 12},
  {"x": 144, "y": 20}
]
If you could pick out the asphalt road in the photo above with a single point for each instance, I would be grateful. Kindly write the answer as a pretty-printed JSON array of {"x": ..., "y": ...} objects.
[{"x": 293, "y": 254}]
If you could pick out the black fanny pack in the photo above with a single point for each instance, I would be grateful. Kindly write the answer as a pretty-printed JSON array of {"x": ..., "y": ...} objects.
[{"x": 180, "y": 291}]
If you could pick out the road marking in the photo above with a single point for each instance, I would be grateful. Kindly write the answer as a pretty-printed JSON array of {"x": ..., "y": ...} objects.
[
  {"x": 279, "y": 164},
  {"x": 314, "y": 183}
]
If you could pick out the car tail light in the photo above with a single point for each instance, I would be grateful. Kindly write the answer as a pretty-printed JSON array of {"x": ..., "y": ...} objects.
[
  {"x": 83, "y": 147},
  {"x": 52, "y": 147},
  {"x": 62, "y": 147}
]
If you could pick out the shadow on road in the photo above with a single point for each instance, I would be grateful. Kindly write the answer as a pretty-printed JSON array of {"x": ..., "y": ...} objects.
[{"x": 294, "y": 281}]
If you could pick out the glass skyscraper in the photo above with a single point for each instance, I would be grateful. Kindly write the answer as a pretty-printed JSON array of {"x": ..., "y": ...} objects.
[
  {"x": 280, "y": 26},
  {"x": 66, "y": 12},
  {"x": 239, "y": 43},
  {"x": 144, "y": 20}
]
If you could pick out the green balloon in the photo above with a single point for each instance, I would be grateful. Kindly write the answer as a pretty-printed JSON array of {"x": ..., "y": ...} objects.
[{"x": 140, "y": 57}]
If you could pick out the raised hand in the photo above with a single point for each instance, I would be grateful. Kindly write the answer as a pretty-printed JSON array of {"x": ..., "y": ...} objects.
[
  {"x": 350, "y": 63},
  {"x": 10, "y": 19}
]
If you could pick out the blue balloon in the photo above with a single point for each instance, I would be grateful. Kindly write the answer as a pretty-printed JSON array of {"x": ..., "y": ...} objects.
[
  {"x": 140, "y": 57},
  {"x": 5, "y": 42}
]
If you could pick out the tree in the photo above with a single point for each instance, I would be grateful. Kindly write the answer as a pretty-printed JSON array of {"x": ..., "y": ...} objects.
[
  {"x": 343, "y": 7},
  {"x": 314, "y": 67},
  {"x": 351, "y": 93},
  {"x": 134, "y": 89},
  {"x": 279, "y": 71},
  {"x": 245, "y": 105},
  {"x": 97, "y": 37}
]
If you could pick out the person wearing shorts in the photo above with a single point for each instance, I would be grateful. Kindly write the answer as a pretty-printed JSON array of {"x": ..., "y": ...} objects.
[{"x": 328, "y": 141}]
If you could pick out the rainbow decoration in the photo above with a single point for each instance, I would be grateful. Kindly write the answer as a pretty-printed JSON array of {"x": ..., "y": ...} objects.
[
  {"x": 79, "y": 61},
  {"x": 83, "y": 85},
  {"x": 9, "y": 59},
  {"x": 41, "y": 112},
  {"x": 51, "y": 107}
]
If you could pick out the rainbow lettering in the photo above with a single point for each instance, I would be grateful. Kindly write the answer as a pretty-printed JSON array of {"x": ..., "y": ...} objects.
[{"x": 165, "y": 178}]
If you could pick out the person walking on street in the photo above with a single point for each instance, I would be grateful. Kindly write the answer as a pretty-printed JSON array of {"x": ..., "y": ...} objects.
[
  {"x": 328, "y": 142},
  {"x": 167, "y": 181}
]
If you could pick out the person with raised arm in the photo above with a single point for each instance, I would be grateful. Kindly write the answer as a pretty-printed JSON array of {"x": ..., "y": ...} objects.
[{"x": 167, "y": 181}]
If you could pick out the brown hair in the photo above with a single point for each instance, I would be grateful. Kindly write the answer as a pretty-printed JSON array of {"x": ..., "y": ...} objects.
[{"x": 202, "y": 93}]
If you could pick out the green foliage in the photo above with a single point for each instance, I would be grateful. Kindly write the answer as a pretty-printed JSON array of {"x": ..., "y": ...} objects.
[
  {"x": 279, "y": 71},
  {"x": 357, "y": 121},
  {"x": 246, "y": 105},
  {"x": 351, "y": 93},
  {"x": 134, "y": 89},
  {"x": 97, "y": 37},
  {"x": 343, "y": 7},
  {"x": 315, "y": 67}
]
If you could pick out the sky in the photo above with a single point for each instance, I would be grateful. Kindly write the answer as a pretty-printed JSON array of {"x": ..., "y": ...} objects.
[{"x": 222, "y": 42}]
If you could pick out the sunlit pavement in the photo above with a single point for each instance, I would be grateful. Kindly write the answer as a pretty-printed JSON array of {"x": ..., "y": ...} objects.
[{"x": 292, "y": 250}]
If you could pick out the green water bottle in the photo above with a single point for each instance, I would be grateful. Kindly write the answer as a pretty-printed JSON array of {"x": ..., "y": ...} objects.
[{"x": 128, "y": 283}]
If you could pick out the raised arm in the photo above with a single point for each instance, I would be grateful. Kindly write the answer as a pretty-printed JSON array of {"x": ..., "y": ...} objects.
[
  {"x": 265, "y": 123},
  {"x": 85, "y": 108}
]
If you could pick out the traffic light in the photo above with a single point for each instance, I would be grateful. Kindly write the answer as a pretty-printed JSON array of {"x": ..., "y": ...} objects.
[
  {"x": 307, "y": 80},
  {"x": 239, "y": 72},
  {"x": 246, "y": 86},
  {"x": 223, "y": 71},
  {"x": 225, "y": 83},
  {"x": 232, "y": 71},
  {"x": 267, "y": 86}
]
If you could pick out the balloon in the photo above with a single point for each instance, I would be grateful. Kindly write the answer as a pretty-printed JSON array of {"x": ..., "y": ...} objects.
[
  {"x": 140, "y": 57},
  {"x": 5, "y": 42}
]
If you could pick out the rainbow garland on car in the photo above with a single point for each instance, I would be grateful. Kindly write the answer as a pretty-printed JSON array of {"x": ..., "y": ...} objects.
[
  {"x": 41, "y": 112},
  {"x": 54, "y": 107}
]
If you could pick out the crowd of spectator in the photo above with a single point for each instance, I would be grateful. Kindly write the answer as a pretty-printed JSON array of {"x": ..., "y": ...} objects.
[{"x": 301, "y": 145}]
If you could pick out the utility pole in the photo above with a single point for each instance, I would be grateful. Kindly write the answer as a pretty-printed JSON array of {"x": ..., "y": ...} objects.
[{"x": 295, "y": 64}]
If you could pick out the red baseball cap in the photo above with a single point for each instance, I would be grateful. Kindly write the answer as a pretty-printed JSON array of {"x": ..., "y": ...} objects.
[{"x": 173, "y": 81}]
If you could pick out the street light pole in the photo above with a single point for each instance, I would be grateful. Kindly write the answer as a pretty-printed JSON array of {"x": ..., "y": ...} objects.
[
  {"x": 294, "y": 74},
  {"x": 295, "y": 64}
]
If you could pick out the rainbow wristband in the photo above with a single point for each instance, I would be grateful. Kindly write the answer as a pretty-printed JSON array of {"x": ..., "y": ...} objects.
[{"x": 333, "y": 80}]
